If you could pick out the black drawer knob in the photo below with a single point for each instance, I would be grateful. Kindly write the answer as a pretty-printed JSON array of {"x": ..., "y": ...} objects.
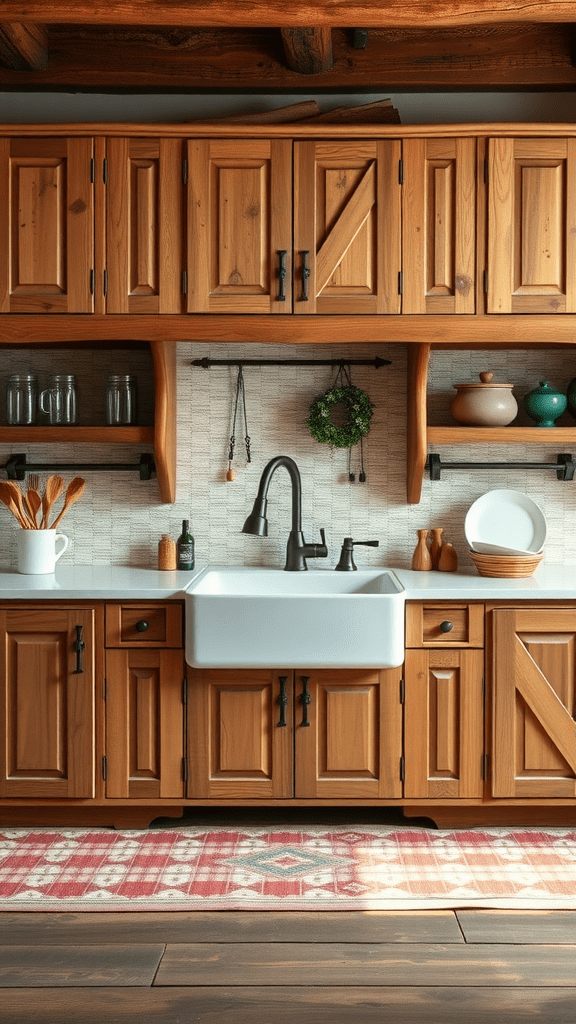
[
  {"x": 142, "y": 626},
  {"x": 446, "y": 626}
]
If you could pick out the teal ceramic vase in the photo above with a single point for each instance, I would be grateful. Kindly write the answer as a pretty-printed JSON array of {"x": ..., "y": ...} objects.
[{"x": 544, "y": 405}]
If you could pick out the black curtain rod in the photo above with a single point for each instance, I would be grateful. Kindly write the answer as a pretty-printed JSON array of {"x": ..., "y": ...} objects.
[{"x": 206, "y": 363}]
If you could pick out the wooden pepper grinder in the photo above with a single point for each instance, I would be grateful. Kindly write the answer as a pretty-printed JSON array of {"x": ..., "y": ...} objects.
[
  {"x": 448, "y": 561},
  {"x": 436, "y": 545},
  {"x": 421, "y": 558}
]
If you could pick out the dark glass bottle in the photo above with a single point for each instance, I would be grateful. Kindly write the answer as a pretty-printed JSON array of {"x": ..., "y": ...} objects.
[{"x": 185, "y": 548}]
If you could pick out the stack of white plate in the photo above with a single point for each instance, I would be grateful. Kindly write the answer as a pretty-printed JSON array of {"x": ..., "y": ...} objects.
[{"x": 506, "y": 531}]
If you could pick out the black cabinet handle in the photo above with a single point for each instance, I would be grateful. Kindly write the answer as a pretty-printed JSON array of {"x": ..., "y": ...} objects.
[
  {"x": 305, "y": 274},
  {"x": 79, "y": 647},
  {"x": 305, "y": 699},
  {"x": 142, "y": 626},
  {"x": 281, "y": 274},
  {"x": 282, "y": 700},
  {"x": 446, "y": 626}
]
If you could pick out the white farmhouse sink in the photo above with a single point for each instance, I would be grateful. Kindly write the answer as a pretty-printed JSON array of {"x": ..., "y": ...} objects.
[{"x": 256, "y": 618}]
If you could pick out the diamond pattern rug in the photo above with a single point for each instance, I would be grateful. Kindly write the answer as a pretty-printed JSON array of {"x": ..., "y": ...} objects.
[{"x": 371, "y": 867}]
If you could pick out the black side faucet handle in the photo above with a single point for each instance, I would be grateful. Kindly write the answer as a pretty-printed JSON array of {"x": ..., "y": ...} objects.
[{"x": 346, "y": 563}]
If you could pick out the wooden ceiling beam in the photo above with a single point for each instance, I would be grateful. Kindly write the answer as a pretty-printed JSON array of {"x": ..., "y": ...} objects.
[
  {"x": 23, "y": 47},
  {"x": 308, "y": 50},
  {"x": 495, "y": 57},
  {"x": 279, "y": 14}
]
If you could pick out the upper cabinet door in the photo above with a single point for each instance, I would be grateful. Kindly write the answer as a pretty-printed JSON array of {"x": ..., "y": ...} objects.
[
  {"x": 239, "y": 226},
  {"x": 46, "y": 225},
  {"x": 532, "y": 226},
  {"x": 347, "y": 227},
  {"x": 144, "y": 226},
  {"x": 439, "y": 226}
]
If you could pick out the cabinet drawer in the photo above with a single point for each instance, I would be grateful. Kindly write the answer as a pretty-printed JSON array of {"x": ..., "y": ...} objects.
[
  {"x": 444, "y": 624},
  {"x": 141, "y": 625}
]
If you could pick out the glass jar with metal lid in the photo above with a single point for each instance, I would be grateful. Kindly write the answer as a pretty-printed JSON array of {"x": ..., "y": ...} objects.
[{"x": 21, "y": 397}]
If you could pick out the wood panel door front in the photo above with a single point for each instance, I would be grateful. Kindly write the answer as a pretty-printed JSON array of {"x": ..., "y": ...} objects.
[
  {"x": 534, "y": 702},
  {"x": 144, "y": 724},
  {"x": 47, "y": 703},
  {"x": 532, "y": 226},
  {"x": 444, "y": 723},
  {"x": 46, "y": 225},
  {"x": 144, "y": 226},
  {"x": 348, "y": 734},
  {"x": 240, "y": 733},
  {"x": 439, "y": 226},
  {"x": 347, "y": 227},
  {"x": 239, "y": 226}
]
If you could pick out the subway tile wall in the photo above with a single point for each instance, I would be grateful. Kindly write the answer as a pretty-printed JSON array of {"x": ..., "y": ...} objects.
[{"x": 120, "y": 519}]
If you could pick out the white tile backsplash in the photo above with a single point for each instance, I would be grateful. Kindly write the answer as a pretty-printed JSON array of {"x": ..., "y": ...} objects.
[{"x": 120, "y": 518}]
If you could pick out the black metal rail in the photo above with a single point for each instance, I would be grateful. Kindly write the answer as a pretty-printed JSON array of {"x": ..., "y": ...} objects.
[
  {"x": 564, "y": 466},
  {"x": 207, "y": 363},
  {"x": 17, "y": 466}
]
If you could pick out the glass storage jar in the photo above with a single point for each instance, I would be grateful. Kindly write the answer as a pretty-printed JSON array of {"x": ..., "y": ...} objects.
[
  {"x": 21, "y": 395},
  {"x": 58, "y": 401},
  {"x": 121, "y": 400}
]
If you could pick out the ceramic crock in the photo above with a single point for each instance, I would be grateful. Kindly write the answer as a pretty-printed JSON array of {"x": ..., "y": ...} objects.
[
  {"x": 544, "y": 405},
  {"x": 484, "y": 403}
]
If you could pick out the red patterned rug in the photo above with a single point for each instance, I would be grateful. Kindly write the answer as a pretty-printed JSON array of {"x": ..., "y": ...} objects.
[{"x": 286, "y": 868}]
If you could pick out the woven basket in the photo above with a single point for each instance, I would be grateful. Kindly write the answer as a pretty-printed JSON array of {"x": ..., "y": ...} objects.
[{"x": 506, "y": 566}]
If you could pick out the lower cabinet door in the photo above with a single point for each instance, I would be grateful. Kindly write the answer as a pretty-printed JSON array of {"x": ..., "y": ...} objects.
[
  {"x": 144, "y": 724},
  {"x": 47, "y": 706},
  {"x": 534, "y": 715},
  {"x": 348, "y": 734},
  {"x": 240, "y": 734},
  {"x": 444, "y": 724}
]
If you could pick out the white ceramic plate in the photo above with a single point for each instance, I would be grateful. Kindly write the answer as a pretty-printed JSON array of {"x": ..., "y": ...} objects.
[
  {"x": 497, "y": 549},
  {"x": 507, "y": 519}
]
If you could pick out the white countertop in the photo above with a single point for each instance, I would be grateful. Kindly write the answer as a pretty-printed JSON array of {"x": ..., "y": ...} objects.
[{"x": 83, "y": 582}]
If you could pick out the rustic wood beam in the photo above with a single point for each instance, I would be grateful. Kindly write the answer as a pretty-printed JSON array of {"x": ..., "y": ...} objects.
[
  {"x": 279, "y": 14},
  {"x": 308, "y": 50},
  {"x": 396, "y": 60},
  {"x": 23, "y": 47}
]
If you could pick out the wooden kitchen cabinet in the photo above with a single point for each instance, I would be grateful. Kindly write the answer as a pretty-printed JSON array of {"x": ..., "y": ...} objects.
[
  {"x": 239, "y": 226},
  {"x": 144, "y": 695},
  {"x": 347, "y": 227},
  {"x": 444, "y": 701},
  {"x": 534, "y": 702},
  {"x": 46, "y": 225},
  {"x": 531, "y": 225},
  {"x": 48, "y": 701},
  {"x": 439, "y": 225},
  {"x": 144, "y": 226},
  {"x": 259, "y": 734}
]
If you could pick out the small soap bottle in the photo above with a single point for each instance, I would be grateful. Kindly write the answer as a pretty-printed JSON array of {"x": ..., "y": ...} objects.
[
  {"x": 167, "y": 552},
  {"x": 185, "y": 548}
]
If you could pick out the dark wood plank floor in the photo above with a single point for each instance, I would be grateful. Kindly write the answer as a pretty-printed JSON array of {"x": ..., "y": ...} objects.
[{"x": 440, "y": 967}]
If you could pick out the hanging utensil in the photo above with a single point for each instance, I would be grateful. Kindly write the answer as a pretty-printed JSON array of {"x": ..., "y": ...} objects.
[{"x": 240, "y": 397}]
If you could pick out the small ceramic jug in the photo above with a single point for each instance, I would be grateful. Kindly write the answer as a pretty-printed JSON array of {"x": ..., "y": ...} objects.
[
  {"x": 421, "y": 558},
  {"x": 544, "y": 405}
]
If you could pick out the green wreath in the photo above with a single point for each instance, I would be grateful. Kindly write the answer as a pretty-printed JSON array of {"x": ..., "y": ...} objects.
[{"x": 359, "y": 408}]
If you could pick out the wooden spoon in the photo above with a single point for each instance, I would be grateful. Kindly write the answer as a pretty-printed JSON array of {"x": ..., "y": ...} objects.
[
  {"x": 7, "y": 498},
  {"x": 53, "y": 490},
  {"x": 18, "y": 499},
  {"x": 74, "y": 491},
  {"x": 33, "y": 502}
]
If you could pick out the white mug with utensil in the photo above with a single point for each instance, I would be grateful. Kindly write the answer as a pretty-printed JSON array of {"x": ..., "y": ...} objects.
[{"x": 39, "y": 550}]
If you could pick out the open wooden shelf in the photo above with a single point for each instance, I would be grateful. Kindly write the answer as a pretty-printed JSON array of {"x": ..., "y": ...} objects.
[
  {"x": 45, "y": 434},
  {"x": 421, "y": 435},
  {"x": 550, "y": 436}
]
